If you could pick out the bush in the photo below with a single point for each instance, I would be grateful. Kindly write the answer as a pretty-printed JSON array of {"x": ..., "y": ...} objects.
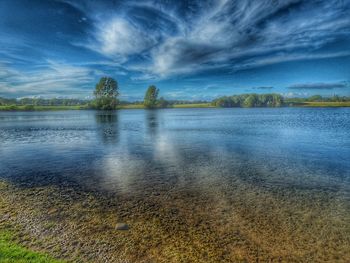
[
  {"x": 104, "y": 103},
  {"x": 28, "y": 107}
]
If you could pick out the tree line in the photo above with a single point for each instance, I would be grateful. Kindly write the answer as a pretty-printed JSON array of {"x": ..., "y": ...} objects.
[
  {"x": 317, "y": 98},
  {"x": 249, "y": 101},
  {"x": 42, "y": 102},
  {"x": 107, "y": 93}
]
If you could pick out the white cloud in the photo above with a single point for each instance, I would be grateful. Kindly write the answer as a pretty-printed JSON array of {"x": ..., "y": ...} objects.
[
  {"x": 55, "y": 79},
  {"x": 295, "y": 94},
  {"x": 153, "y": 40},
  {"x": 119, "y": 37},
  {"x": 219, "y": 34}
]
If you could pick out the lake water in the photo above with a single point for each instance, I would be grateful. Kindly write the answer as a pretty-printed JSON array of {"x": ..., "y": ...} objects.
[
  {"x": 303, "y": 148},
  {"x": 276, "y": 175}
]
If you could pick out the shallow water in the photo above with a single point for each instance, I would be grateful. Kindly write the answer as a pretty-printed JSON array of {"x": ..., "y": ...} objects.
[
  {"x": 254, "y": 168},
  {"x": 305, "y": 148}
]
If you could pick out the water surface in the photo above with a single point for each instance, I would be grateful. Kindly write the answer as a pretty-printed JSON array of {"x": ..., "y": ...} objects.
[
  {"x": 282, "y": 147},
  {"x": 275, "y": 175}
]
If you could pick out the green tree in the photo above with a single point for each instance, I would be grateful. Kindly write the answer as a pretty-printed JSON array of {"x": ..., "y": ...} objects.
[
  {"x": 106, "y": 94},
  {"x": 250, "y": 101},
  {"x": 150, "y": 100},
  {"x": 315, "y": 98},
  {"x": 278, "y": 100},
  {"x": 162, "y": 103}
]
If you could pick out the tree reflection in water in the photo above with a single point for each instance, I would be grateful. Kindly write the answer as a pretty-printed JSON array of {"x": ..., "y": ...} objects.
[{"x": 108, "y": 126}]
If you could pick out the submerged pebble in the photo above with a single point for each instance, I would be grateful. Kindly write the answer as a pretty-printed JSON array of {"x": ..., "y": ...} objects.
[{"x": 121, "y": 226}]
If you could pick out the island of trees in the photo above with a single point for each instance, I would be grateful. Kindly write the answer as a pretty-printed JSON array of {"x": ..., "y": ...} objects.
[{"x": 107, "y": 93}]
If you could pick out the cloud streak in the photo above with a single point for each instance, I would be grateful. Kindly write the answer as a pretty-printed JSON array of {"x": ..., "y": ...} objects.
[
  {"x": 63, "y": 46},
  {"x": 263, "y": 88},
  {"x": 54, "y": 80},
  {"x": 320, "y": 86},
  {"x": 220, "y": 34}
]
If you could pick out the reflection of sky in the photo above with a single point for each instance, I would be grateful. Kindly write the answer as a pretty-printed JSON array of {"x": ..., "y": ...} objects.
[{"x": 140, "y": 150}]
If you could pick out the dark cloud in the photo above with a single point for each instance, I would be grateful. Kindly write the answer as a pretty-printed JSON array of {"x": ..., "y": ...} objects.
[{"x": 319, "y": 86}]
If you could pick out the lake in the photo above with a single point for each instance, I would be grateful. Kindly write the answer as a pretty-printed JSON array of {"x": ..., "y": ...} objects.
[{"x": 218, "y": 184}]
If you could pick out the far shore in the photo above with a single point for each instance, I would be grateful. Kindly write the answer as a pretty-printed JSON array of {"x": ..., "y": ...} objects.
[{"x": 176, "y": 106}]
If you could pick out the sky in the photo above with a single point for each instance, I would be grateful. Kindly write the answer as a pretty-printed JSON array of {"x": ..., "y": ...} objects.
[{"x": 193, "y": 50}]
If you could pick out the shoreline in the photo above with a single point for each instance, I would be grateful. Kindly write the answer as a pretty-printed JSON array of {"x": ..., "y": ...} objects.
[{"x": 177, "y": 106}]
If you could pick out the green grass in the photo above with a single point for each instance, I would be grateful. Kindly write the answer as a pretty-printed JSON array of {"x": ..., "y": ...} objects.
[
  {"x": 132, "y": 106},
  {"x": 40, "y": 108},
  {"x": 127, "y": 106},
  {"x": 327, "y": 104},
  {"x": 140, "y": 106},
  {"x": 208, "y": 105},
  {"x": 10, "y": 252},
  {"x": 190, "y": 105},
  {"x": 194, "y": 105}
]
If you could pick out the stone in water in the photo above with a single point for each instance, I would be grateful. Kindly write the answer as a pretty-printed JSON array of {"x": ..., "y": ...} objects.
[{"x": 121, "y": 226}]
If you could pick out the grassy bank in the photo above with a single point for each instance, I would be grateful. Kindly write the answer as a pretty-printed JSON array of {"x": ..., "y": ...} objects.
[
  {"x": 11, "y": 252},
  {"x": 176, "y": 106}
]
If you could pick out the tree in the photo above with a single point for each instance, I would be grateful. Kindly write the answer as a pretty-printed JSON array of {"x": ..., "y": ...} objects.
[
  {"x": 106, "y": 94},
  {"x": 150, "y": 100},
  {"x": 315, "y": 98},
  {"x": 251, "y": 101},
  {"x": 162, "y": 103}
]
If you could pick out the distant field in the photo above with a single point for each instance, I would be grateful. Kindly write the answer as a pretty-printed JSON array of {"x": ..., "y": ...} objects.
[
  {"x": 131, "y": 106},
  {"x": 40, "y": 108},
  {"x": 194, "y": 105},
  {"x": 326, "y": 104},
  {"x": 208, "y": 105},
  {"x": 140, "y": 106},
  {"x": 128, "y": 106},
  {"x": 190, "y": 105}
]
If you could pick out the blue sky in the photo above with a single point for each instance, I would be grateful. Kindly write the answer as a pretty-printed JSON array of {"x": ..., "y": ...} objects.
[{"x": 189, "y": 49}]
